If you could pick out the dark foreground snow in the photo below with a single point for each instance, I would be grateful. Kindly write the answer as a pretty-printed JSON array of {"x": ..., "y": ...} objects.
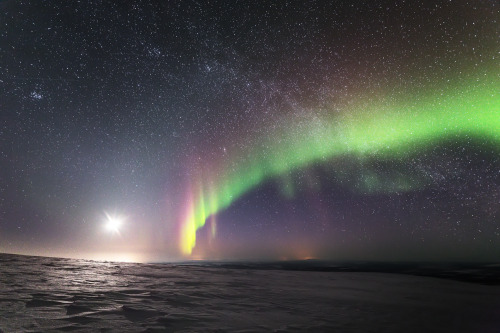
[{"x": 64, "y": 295}]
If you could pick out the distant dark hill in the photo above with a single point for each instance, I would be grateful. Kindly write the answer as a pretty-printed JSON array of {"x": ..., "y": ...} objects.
[{"x": 483, "y": 273}]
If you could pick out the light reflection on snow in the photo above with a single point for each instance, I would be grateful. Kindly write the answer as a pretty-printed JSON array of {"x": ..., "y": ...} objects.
[{"x": 49, "y": 294}]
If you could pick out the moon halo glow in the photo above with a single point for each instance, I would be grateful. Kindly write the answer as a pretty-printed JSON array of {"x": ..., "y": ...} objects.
[{"x": 113, "y": 223}]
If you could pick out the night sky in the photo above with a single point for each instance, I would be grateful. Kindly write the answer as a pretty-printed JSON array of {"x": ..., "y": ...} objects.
[{"x": 167, "y": 130}]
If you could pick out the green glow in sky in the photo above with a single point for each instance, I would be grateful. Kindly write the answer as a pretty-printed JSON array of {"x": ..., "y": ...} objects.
[{"x": 388, "y": 126}]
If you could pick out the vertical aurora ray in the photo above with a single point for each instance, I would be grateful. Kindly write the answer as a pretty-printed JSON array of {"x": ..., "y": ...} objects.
[{"x": 382, "y": 126}]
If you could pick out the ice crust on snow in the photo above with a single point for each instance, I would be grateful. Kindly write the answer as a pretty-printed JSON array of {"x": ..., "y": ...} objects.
[{"x": 40, "y": 294}]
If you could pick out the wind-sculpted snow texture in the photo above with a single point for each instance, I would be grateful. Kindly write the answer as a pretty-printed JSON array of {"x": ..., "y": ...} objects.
[{"x": 60, "y": 295}]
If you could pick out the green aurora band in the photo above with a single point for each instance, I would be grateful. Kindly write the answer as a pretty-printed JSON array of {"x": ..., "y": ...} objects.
[{"x": 390, "y": 126}]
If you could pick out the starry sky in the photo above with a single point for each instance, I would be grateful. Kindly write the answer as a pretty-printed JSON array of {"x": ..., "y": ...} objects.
[{"x": 341, "y": 130}]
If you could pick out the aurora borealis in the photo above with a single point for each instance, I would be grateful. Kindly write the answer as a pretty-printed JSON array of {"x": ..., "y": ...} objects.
[
  {"x": 378, "y": 129},
  {"x": 233, "y": 130}
]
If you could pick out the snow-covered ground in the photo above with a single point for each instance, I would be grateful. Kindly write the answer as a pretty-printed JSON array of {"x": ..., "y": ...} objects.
[{"x": 64, "y": 295}]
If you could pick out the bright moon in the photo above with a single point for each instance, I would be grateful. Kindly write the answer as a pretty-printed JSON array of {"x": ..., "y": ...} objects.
[{"x": 113, "y": 223}]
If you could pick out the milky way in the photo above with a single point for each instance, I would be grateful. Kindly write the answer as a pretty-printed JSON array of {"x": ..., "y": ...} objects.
[{"x": 229, "y": 130}]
